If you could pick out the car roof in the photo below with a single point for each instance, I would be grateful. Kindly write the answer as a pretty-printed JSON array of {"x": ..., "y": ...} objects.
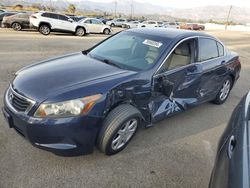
[{"x": 169, "y": 33}]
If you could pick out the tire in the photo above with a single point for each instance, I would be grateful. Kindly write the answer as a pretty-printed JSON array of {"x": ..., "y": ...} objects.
[
  {"x": 118, "y": 129},
  {"x": 80, "y": 31},
  {"x": 44, "y": 29},
  {"x": 112, "y": 25},
  {"x": 106, "y": 31},
  {"x": 128, "y": 26},
  {"x": 224, "y": 91},
  {"x": 16, "y": 26}
]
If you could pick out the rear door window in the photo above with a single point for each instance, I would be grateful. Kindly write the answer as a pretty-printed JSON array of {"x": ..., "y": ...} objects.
[
  {"x": 220, "y": 49},
  {"x": 53, "y": 16},
  {"x": 64, "y": 18},
  {"x": 207, "y": 49},
  {"x": 94, "y": 21}
]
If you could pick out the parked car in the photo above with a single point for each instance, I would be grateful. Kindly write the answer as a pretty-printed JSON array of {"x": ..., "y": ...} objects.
[
  {"x": 116, "y": 22},
  {"x": 3, "y": 14},
  {"x": 101, "y": 96},
  {"x": 186, "y": 26},
  {"x": 150, "y": 23},
  {"x": 103, "y": 20},
  {"x": 77, "y": 18},
  {"x": 192, "y": 26},
  {"x": 232, "y": 165},
  {"x": 201, "y": 27},
  {"x": 47, "y": 22},
  {"x": 17, "y": 21},
  {"x": 96, "y": 26},
  {"x": 160, "y": 24},
  {"x": 173, "y": 25},
  {"x": 131, "y": 24}
]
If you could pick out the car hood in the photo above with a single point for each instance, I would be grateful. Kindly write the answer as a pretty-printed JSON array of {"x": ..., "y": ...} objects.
[{"x": 43, "y": 79}]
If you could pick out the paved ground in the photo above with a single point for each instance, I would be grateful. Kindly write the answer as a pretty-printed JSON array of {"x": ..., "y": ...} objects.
[{"x": 177, "y": 152}]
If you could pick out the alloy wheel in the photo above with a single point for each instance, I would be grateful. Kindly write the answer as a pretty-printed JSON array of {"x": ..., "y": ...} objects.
[
  {"x": 225, "y": 90},
  {"x": 124, "y": 134}
]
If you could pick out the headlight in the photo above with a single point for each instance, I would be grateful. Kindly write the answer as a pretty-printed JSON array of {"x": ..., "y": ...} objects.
[{"x": 67, "y": 108}]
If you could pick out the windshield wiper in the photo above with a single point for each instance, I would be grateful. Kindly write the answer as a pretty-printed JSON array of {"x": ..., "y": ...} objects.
[
  {"x": 110, "y": 63},
  {"x": 107, "y": 61}
]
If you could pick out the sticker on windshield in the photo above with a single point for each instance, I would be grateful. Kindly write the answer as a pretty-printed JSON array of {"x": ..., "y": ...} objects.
[{"x": 152, "y": 43}]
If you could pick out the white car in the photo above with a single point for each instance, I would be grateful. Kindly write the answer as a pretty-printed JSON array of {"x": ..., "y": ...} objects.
[
  {"x": 149, "y": 24},
  {"x": 116, "y": 22},
  {"x": 48, "y": 21},
  {"x": 172, "y": 25},
  {"x": 131, "y": 24},
  {"x": 96, "y": 26}
]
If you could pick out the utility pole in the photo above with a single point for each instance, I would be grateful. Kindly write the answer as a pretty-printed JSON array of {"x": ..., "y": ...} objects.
[
  {"x": 228, "y": 15},
  {"x": 50, "y": 4},
  {"x": 131, "y": 11},
  {"x": 115, "y": 8}
]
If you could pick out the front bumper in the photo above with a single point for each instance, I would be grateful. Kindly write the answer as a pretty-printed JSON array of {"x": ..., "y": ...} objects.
[
  {"x": 71, "y": 136},
  {"x": 5, "y": 25}
]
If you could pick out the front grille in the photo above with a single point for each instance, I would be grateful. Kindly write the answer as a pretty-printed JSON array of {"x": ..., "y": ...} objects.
[{"x": 18, "y": 102}]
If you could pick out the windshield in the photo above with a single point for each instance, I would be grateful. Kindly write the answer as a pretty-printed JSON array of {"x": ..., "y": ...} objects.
[{"x": 129, "y": 50}]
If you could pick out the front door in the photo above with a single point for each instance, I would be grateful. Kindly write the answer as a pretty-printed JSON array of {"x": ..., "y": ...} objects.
[{"x": 176, "y": 83}]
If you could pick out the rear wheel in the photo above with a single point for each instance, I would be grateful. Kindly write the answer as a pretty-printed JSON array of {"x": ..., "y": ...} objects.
[
  {"x": 44, "y": 29},
  {"x": 80, "y": 31},
  {"x": 16, "y": 26},
  {"x": 118, "y": 129},
  {"x": 224, "y": 91},
  {"x": 106, "y": 31},
  {"x": 112, "y": 25}
]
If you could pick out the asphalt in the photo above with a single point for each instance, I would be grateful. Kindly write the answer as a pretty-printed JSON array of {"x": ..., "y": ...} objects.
[{"x": 178, "y": 152}]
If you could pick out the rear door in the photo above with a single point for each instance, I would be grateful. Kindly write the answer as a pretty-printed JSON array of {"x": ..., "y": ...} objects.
[
  {"x": 175, "y": 84},
  {"x": 24, "y": 20},
  {"x": 64, "y": 23},
  {"x": 211, "y": 57},
  {"x": 52, "y": 19}
]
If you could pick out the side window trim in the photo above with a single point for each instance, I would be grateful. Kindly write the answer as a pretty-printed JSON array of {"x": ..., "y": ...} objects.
[{"x": 197, "y": 51}]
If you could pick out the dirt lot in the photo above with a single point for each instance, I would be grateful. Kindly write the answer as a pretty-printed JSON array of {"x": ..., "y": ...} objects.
[{"x": 177, "y": 152}]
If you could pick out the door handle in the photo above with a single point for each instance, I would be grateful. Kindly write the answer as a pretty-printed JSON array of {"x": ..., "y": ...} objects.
[
  {"x": 191, "y": 70},
  {"x": 223, "y": 62},
  {"x": 231, "y": 146}
]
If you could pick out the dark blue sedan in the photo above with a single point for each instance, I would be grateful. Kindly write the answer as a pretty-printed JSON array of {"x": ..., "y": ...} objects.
[{"x": 100, "y": 96}]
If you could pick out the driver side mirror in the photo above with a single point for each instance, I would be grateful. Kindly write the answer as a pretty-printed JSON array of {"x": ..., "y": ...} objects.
[
  {"x": 164, "y": 86},
  {"x": 70, "y": 20}
]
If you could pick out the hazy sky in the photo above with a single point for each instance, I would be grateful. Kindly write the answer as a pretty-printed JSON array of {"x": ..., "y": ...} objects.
[{"x": 191, "y": 3}]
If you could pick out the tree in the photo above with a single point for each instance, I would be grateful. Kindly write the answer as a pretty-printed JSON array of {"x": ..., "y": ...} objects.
[
  {"x": 72, "y": 9},
  {"x": 18, "y": 7}
]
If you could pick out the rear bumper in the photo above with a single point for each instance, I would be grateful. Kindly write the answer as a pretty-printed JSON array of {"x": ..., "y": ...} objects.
[{"x": 63, "y": 136}]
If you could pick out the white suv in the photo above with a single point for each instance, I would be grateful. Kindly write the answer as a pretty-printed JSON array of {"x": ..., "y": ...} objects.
[{"x": 47, "y": 22}]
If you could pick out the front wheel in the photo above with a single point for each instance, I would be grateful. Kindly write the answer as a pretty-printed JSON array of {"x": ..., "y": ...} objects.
[
  {"x": 16, "y": 26},
  {"x": 118, "y": 129},
  {"x": 225, "y": 89},
  {"x": 80, "y": 31}
]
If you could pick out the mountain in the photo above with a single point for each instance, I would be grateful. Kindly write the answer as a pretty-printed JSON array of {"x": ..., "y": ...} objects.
[{"x": 219, "y": 13}]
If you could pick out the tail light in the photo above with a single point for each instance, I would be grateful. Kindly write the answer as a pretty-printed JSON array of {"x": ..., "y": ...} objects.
[{"x": 237, "y": 60}]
